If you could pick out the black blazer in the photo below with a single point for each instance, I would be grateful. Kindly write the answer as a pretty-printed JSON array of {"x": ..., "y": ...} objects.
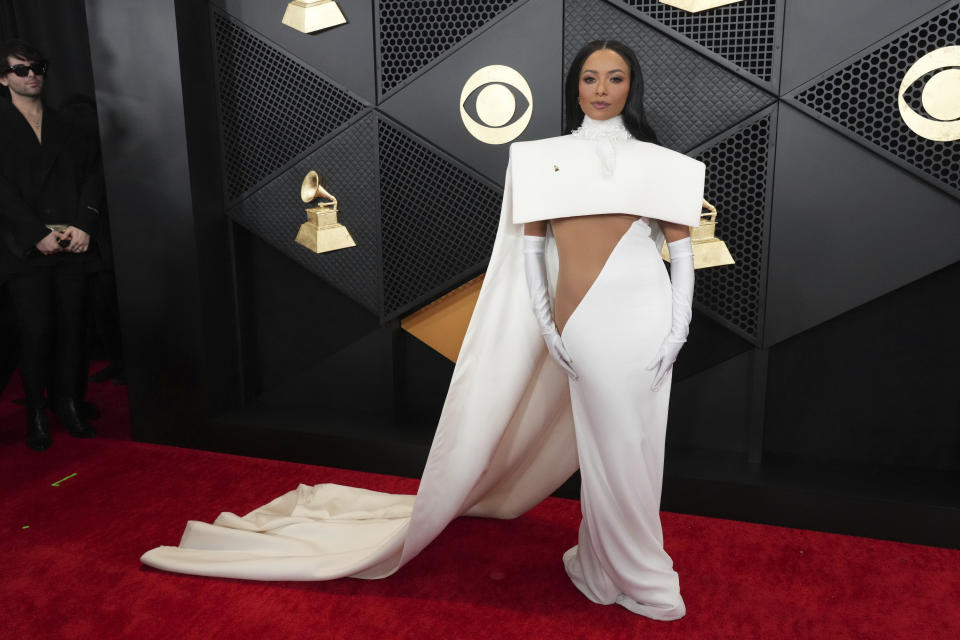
[{"x": 58, "y": 181}]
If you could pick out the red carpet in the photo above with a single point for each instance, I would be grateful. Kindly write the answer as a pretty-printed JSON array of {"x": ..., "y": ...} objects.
[{"x": 70, "y": 561}]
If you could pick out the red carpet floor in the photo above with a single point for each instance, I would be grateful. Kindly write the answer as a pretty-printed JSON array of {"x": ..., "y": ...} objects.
[{"x": 69, "y": 557}]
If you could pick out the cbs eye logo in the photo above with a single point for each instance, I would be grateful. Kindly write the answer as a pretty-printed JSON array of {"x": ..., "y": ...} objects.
[
  {"x": 940, "y": 97},
  {"x": 496, "y": 104}
]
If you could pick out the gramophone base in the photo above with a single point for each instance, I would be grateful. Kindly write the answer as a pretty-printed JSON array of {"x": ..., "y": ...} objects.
[
  {"x": 322, "y": 239},
  {"x": 706, "y": 254},
  {"x": 308, "y": 16}
]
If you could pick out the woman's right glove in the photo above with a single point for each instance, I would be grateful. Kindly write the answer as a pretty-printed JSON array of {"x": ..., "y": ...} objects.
[{"x": 536, "y": 270}]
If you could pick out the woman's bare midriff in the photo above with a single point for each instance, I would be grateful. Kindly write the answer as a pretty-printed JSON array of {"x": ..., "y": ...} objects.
[{"x": 583, "y": 243}]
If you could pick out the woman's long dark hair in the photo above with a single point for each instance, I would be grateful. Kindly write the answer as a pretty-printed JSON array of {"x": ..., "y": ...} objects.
[{"x": 634, "y": 117}]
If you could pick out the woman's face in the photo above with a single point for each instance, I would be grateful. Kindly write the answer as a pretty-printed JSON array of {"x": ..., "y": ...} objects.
[{"x": 604, "y": 84}]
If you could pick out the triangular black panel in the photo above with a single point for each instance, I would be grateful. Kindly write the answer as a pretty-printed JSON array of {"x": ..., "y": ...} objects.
[
  {"x": 415, "y": 32},
  {"x": 348, "y": 164},
  {"x": 860, "y": 99},
  {"x": 439, "y": 220},
  {"x": 739, "y": 183},
  {"x": 820, "y": 34},
  {"x": 272, "y": 107},
  {"x": 689, "y": 99},
  {"x": 357, "y": 382},
  {"x": 344, "y": 54},
  {"x": 848, "y": 227},
  {"x": 527, "y": 40},
  {"x": 744, "y": 33}
]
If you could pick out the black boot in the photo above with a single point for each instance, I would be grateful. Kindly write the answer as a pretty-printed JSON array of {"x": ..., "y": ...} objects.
[
  {"x": 38, "y": 435},
  {"x": 70, "y": 418}
]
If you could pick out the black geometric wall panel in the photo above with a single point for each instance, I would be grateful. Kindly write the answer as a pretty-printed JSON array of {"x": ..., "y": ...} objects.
[
  {"x": 820, "y": 34},
  {"x": 848, "y": 226},
  {"x": 861, "y": 99},
  {"x": 889, "y": 393},
  {"x": 744, "y": 33},
  {"x": 344, "y": 54},
  {"x": 689, "y": 99},
  {"x": 348, "y": 164},
  {"x": 415, "y": 32},
  {"x": 528, "y": 40},
  {"x": 272, "y": 107},
  {"x": 439, "y": 220},
  {"x": 739, "y": 183}
]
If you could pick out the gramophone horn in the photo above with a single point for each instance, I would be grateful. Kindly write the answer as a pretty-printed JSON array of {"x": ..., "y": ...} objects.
[{"x": 309, "y": 186}]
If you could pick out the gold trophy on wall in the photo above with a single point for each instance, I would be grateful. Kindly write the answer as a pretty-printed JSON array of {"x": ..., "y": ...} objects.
[
  {"x": 321, "y": 232},
  {"x": 708, "y": 250}
]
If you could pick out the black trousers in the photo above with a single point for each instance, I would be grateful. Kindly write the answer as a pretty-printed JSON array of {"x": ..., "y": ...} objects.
[{"x": 48, "y": 302}]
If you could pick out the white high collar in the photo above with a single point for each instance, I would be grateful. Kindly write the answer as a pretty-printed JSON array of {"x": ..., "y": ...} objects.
[
  {"x": 605, "y": 133},
  {"x": 609, "y": 129}
]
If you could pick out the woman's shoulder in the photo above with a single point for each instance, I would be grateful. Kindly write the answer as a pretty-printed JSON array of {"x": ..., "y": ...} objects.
[{"x": 542, "y": 142}]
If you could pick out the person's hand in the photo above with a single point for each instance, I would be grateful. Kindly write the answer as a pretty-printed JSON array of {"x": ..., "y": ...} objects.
[
  {"x": 663, "y": 362},
  {"x": 559, "y": 353},
  {"x": 79, "y": 240},
  {"x": 50, "y": 243}
]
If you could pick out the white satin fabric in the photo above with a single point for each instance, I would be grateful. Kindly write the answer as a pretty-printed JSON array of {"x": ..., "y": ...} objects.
[
  {"x": 600, "y": 169},
  {"x": 621, "y": 426},
  {"x": 504, "y": 442}
]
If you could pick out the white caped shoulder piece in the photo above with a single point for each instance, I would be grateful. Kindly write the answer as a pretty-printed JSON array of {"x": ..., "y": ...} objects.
[{"x": 575, "y": 175}]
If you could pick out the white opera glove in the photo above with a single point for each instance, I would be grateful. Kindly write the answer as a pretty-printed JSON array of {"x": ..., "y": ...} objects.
[
  {"x": 681, "y": 277},
  {"x": 536, "y": 270}
]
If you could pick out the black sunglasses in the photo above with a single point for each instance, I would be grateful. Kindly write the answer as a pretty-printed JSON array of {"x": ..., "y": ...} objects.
[{"x": 23, "y": 70}]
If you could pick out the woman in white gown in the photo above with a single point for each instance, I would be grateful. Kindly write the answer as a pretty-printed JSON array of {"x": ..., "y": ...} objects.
[
  {"x": 614, "y": 305},
  {"x": 533, "y": 396}
]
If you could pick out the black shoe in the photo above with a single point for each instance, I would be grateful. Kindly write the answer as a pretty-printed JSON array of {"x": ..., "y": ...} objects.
[
  {"x": 70, "y": 418},
  {"x": 38, "y": 435}
]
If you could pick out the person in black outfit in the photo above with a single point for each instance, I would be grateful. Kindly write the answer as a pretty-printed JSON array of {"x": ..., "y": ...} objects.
[{"x": 51, "y": 188}]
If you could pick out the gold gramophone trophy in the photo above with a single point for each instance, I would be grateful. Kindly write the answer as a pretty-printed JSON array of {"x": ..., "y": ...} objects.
[
  {"x": 708, "y": 250},
  {"x": 321, "y": 232}
]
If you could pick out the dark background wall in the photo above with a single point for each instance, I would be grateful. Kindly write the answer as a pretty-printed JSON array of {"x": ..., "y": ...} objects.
[{"x": 816, "y": 389}]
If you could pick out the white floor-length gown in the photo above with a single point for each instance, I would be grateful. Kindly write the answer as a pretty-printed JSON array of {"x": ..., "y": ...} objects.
[
  {"x": 620, "y": 426},
  {"x": 512, "y": 430}
]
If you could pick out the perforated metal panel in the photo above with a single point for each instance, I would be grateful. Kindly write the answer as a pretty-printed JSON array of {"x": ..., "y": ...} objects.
[
  {"x": 414, "y": 32},
  {"x": 439, "y": 220},
  {"x": 743, "y": 33},
  {"x": 862, "y": 98},
  {"x": 272, "y": 108},
  {"x": 688, "y": 98},
  {"x": 738, "y": 184},
  {"x": 348, "y": 164}
]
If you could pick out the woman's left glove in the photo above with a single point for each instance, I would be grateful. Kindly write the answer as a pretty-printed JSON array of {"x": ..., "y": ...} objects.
[{"x": 681, "y": 277}]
